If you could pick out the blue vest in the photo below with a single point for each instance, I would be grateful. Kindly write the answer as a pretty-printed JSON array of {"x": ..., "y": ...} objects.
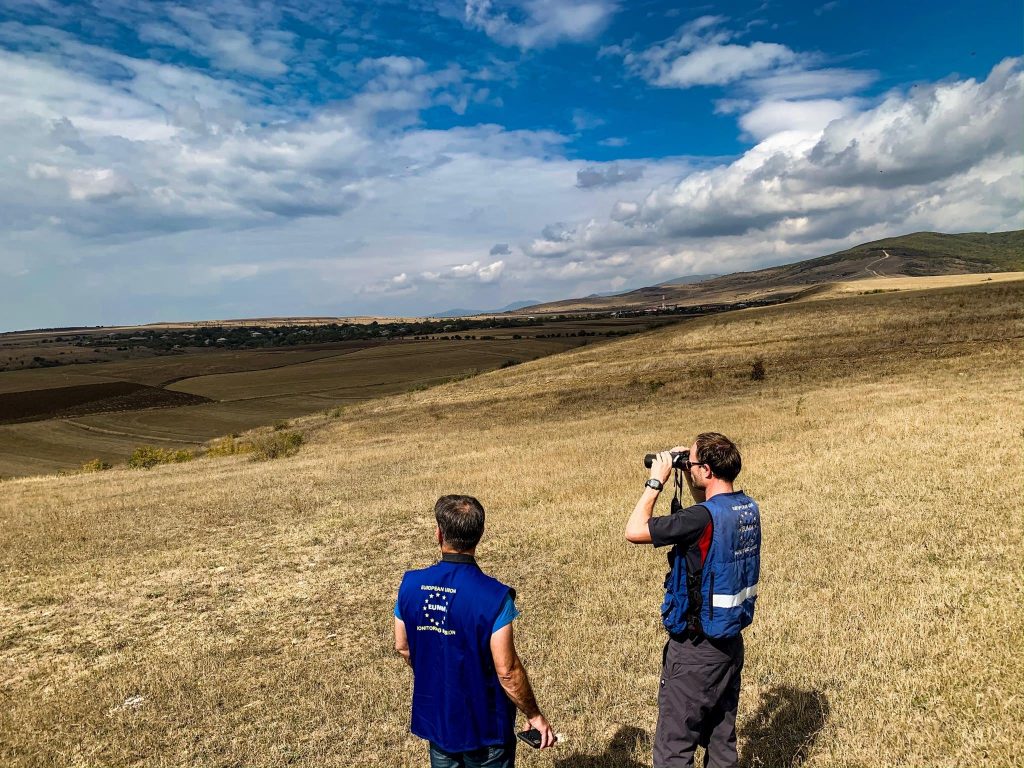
[
  {"x": 449, "y": 610},
  {"x": 722, "y": 595}
]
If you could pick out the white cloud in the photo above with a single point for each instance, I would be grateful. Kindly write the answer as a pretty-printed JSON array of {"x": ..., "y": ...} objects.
[
  {"x": 539, "y": 23},
  {"x": 799, "y": 83},
  {"x": 940, "y": 157},
  {"x": 484, "y": 273},
  {"x": 719, "y": 64},
  {"x": 231, "y": 36},
  {"x": 473, "y": 272},
  {"x": 608, "y": 175},
  {"x": 197, "y": 181},
  {"x": 775, "y": 88},
  {"x": 769, "y": 118}
]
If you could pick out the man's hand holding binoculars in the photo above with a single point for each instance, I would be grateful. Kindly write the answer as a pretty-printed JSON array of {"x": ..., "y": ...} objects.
[{"x": 664, "y": 462}]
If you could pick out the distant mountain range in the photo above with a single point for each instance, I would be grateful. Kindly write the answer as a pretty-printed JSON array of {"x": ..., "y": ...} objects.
[
  {"x": 470, "y": 312},
  {"x": 921, "y": 253}
]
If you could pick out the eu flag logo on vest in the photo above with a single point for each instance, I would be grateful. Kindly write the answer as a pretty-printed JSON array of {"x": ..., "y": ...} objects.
[{"x": 436, "y": 605}]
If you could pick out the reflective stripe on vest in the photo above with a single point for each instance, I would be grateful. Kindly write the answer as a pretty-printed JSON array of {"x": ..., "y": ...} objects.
[
  {"x": 732, "y": 567},
  {"x": 731, "y": 601}
]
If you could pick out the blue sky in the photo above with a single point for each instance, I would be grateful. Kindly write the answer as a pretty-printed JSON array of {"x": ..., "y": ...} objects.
[{"x": 171, "y": 161}]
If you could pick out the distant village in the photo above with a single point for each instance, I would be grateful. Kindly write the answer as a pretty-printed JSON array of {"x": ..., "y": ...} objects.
[{"x": 163, "y": 340}]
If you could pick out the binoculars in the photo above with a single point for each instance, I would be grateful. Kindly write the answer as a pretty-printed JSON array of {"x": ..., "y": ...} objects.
[{"x": 679, "y": 459}]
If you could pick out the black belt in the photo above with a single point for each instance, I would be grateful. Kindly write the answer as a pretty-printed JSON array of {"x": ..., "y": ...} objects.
[{"x": 688, "y": 635}]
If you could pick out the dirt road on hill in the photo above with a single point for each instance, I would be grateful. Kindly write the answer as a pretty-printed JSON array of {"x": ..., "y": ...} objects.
[{"x": 868, "y": 268}]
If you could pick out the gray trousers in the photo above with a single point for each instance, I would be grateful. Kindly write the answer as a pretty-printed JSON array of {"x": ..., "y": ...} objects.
[{"x": 697, "y": 700}]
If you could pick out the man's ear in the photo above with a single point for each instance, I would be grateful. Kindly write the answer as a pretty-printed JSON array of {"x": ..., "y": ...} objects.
[{"x": 440, "y": 537}]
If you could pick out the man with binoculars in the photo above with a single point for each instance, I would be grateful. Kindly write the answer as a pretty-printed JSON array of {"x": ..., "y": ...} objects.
[{"x": 710, "y": 591}]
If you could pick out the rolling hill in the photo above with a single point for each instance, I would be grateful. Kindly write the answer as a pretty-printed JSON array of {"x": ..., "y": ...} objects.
[
  {"x": 230, "y": 612},
  {"x": 915, "y": 255}
]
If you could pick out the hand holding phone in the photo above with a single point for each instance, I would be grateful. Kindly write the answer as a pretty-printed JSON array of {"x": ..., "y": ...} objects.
[{"x": 540, "y": 736}]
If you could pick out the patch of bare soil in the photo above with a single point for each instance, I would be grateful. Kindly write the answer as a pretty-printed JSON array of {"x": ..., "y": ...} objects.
[{"x": 84, "y": 399}]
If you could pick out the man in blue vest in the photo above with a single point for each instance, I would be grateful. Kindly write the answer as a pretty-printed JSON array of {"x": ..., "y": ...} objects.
[
  {"x": 710, "y": 591},
  {"x": 453, "y": 625}
]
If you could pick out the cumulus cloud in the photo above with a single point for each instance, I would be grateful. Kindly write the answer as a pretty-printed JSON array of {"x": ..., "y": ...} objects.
[
  {"x": 608, "y": 175},
  {"x": 809, "y": 115},
  {"x": 473, "y": 272},
  {"x": 776, "y": 88},
  {"x": 703, "y": 52},
  {"x": 539, "y": 23},
  {"x": 226, "y": 180},
  {"x": 178, "y": 150},
  {"x": 920, "y": 159}
]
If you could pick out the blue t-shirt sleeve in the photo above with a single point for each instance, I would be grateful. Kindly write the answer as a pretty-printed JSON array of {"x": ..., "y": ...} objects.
[
  {"x": 506, "y": 615},
  {"x": 398, "y": 614}
]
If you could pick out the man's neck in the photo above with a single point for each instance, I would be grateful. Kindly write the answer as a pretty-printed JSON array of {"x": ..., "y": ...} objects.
[
  {"x": 450, "y": 551},
  {"x": 716, "y": 486}
]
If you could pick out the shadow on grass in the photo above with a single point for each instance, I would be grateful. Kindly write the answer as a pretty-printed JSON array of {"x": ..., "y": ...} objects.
[
  {"x": 619, "y": 753},
  {"x": 783, "y": 730},
  {"x": 780, "y": 734}
]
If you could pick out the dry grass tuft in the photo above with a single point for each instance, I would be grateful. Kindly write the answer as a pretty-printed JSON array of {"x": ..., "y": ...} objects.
[{"x": 229, "y": 613}]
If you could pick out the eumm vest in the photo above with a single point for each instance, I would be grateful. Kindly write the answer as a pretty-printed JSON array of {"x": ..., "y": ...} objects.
[
  {"x": 449, "y": 610},
  {"x": 719, "y": 600}
]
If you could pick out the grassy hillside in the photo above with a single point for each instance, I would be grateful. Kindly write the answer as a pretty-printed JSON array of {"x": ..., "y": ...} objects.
[
  {"x": 228, "y": 612},
  {"x": 915, "y": 255},
  {"x": 934, "y": 253}
]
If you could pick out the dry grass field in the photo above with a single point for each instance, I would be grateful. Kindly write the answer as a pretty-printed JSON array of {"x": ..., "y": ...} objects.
[
  {"x": 247, "y": 388},
  {"x": 236, "y": 613},
  {"x": 904, "y": 283}
]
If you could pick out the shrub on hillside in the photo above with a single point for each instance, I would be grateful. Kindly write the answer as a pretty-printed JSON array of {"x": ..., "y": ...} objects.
[
  {"x": 146, "y": 456},
  {"x": 228, "y": 446},
  {"x": 95, "y": 465},
  {"x": 275, "y": 445},
  {"x": 757, "y": 372}
]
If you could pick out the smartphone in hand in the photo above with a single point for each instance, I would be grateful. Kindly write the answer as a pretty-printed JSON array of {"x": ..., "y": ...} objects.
[{"x": 531, "y": 737}]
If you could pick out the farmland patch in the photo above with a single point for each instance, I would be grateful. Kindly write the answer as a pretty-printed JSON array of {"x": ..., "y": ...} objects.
[{"x": 83, "y": 399}]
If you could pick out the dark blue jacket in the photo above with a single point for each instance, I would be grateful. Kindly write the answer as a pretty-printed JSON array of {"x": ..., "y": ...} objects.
[
  {"x": 728, "y": 579},
  {"x": 449, "y": 611}
]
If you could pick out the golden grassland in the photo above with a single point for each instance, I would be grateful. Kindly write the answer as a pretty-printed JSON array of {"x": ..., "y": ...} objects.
[
  {"x": 904, "y": 283},
  {"x": 233, "y": 613}
]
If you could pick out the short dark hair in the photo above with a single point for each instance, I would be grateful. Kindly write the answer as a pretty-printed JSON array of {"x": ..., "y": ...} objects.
[
  {"x": 720, "y": 453},
  {"x": 461, "y": 520}
]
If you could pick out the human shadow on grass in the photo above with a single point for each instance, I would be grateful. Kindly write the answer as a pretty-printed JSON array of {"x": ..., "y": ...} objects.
[
  {"x": 784, "y": 728},
  {"x": 619, "y": 753},
  {"x": 780, "y": 734}
]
